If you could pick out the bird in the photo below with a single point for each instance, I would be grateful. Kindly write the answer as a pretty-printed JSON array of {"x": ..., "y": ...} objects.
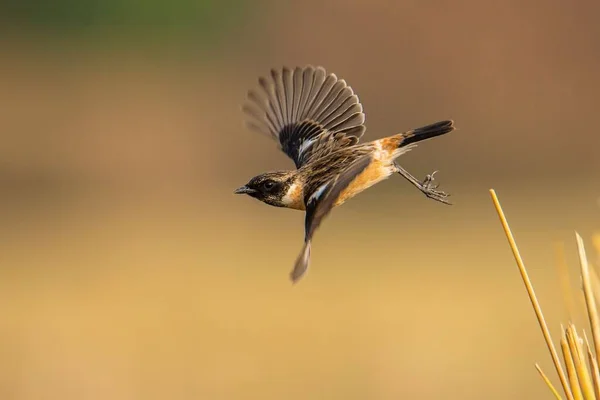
[{"x": 317, "y": 120}]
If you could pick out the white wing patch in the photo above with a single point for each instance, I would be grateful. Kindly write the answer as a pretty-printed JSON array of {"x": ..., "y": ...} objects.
[
  {"x": 305, "y": 145},
  {"x": 318, "y": 193}
]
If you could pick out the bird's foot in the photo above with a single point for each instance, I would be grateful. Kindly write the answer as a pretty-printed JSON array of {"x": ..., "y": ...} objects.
[{"x": 429, "y": 189}]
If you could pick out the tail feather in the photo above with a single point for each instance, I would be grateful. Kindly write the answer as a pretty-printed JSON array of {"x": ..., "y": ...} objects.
[
  {"x": 301, "y": 263},
  {"x": 426, "y": 132}
]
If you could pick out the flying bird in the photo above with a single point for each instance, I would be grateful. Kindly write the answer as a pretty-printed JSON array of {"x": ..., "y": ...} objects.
[{"x": 317, "y": 121}]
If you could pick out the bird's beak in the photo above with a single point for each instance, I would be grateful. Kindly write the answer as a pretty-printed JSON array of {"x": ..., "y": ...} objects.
[{"x": 244, "y": 190}]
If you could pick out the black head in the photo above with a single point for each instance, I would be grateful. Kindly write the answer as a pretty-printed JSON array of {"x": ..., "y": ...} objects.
[{"x": 270, "y": 187}]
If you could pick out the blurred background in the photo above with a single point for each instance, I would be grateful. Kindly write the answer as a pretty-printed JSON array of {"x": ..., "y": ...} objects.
[{"x": 129, "y": 270}]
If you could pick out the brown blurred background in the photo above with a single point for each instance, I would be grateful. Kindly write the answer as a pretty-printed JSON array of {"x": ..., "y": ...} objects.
[{"x": 129, "y": 270}]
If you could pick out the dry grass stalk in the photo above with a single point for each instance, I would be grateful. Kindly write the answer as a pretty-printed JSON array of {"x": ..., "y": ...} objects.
[
  {"x": 589, "y": 294},
  {"x": 571, "y": 373},
  {"x": 595, "y": 370},
  {"x": 565, "y": 281},
  {"x": 550, "y": 385},
  {"x": 582, "y": 380},
  {"x": 532, "y": 297},
  {"x": 596, "y": 242}
]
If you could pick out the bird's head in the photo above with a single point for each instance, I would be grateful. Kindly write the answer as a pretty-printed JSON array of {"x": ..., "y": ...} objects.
[{"x": 276, "y": 188}]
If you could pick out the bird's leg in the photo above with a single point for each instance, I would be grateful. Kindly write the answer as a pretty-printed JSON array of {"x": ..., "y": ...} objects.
[{"x": 426, "y": 186}]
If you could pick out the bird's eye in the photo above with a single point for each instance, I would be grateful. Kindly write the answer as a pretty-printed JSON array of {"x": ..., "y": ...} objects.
[{"x": 269, "y": 185}]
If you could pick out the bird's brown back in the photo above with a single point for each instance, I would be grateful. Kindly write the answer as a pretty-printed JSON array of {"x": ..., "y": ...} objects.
[{"x": 323, "y": 170}]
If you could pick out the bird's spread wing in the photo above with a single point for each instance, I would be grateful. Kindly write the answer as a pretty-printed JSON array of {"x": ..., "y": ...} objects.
[
  {"x": 319, "y": 204},
  {"x": 309, "y": 112}
]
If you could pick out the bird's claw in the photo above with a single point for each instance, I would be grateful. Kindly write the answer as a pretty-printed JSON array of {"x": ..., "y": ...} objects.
[
  {"x": 427, "y": 182},
  {"x": 429, "y": 189}
]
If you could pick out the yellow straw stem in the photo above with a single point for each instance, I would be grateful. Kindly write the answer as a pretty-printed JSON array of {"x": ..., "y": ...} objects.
[
  {"x": 595, "y": 370},
  {"x": 565, "y": 281},
  {"x": 548, "y": 383},
  {"x": 589, "y": 294},
  {"x": 583, "y": 374},
  {"x": 595, "y": 283},
  {"x": 532, "y": 297},
  {"x": 571, "y": 372}
]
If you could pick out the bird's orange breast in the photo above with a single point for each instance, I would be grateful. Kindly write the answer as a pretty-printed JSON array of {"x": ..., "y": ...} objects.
[
  {"x": 377, "y": 171},
  {"x": 294, "y": 198}
]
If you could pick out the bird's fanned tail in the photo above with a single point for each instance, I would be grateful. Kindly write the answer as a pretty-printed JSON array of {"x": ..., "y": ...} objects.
[{"x": 426, "y": 132}]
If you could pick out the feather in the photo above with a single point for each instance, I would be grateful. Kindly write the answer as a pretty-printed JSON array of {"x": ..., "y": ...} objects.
[{"x": 308, "y": 111}]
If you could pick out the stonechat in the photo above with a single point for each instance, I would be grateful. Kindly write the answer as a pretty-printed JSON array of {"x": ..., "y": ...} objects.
[{"x": 317, "y": 121}]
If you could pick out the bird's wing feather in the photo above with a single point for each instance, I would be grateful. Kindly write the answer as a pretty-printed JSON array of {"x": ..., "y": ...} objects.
[
  {"x": 308, "y": 111},
  {"x": 318, "y": 206}
]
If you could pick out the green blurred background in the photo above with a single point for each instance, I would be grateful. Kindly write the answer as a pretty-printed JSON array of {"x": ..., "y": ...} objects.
[{"x": 129, "y": 270}]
